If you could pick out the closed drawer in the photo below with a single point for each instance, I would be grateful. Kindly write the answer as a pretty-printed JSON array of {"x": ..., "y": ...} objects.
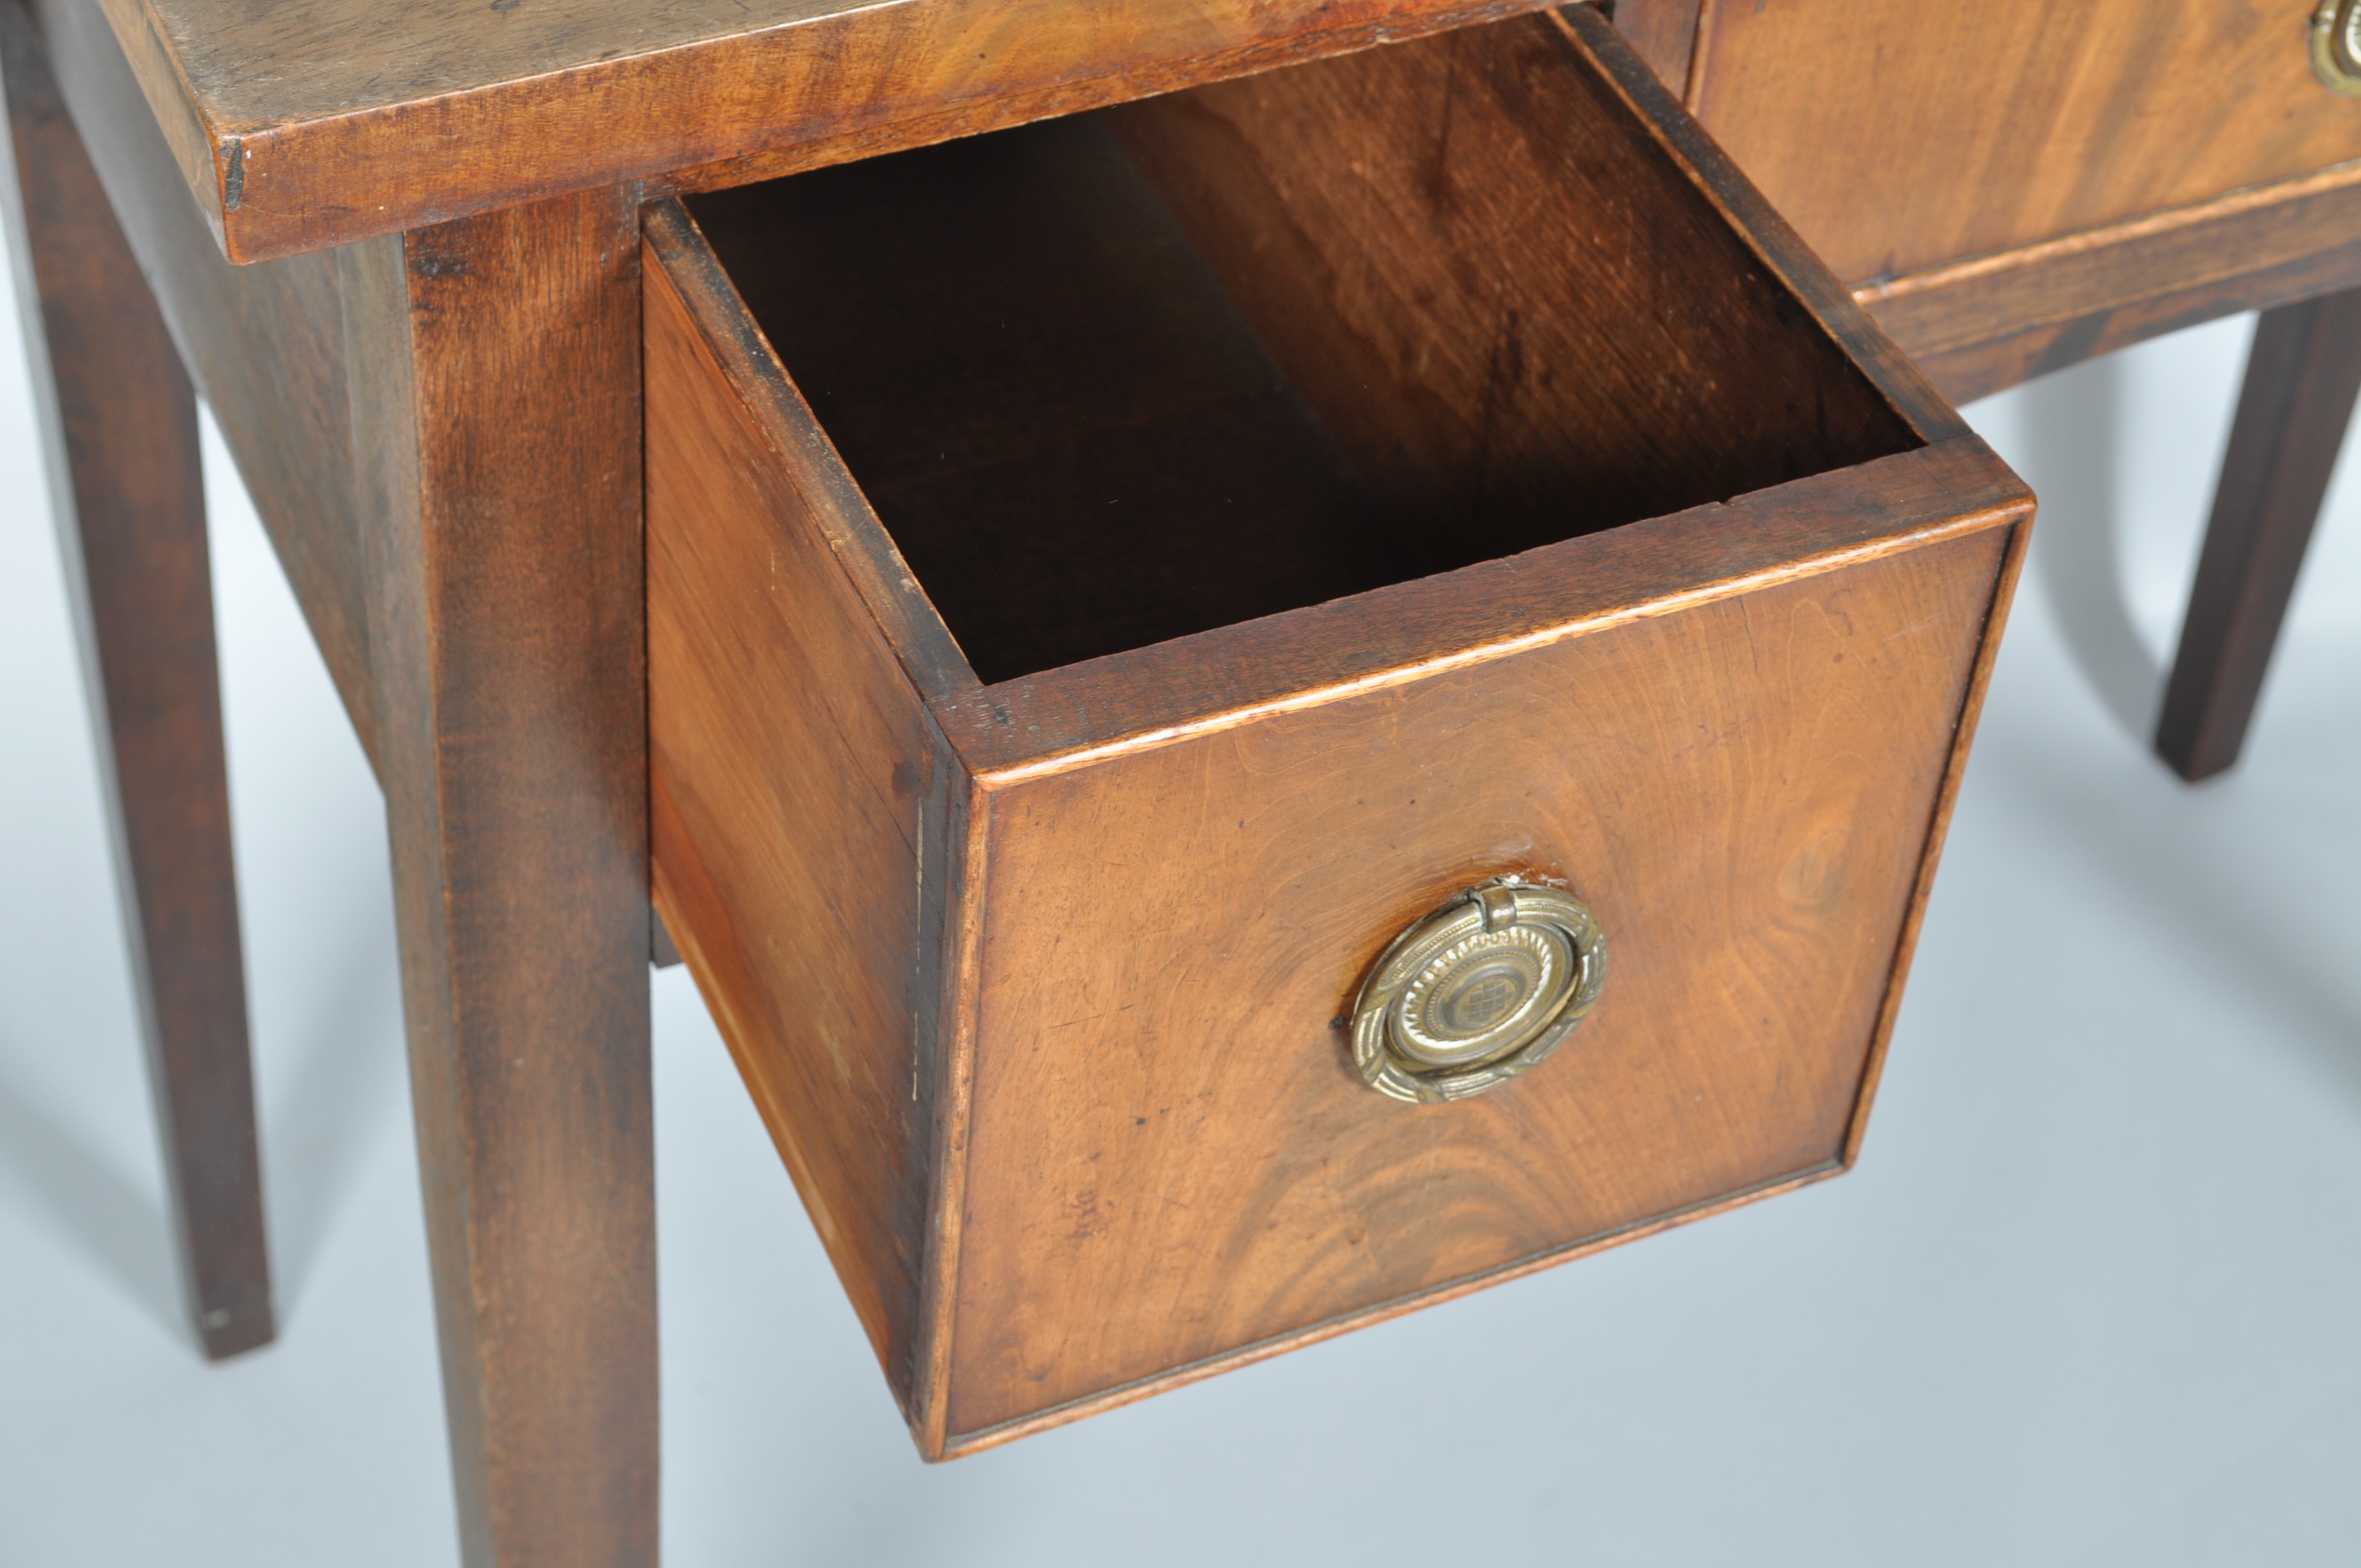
[
  {"x": 1108, "y": 579},
  {"x": 1899, "y": 136}
]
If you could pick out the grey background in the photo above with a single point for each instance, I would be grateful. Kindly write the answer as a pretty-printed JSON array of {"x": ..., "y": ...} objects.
[{"x": 2092, "y": 1297}]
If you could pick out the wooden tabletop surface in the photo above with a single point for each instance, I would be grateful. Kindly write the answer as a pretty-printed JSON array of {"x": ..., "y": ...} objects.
[{"x": 310, "y": 123}]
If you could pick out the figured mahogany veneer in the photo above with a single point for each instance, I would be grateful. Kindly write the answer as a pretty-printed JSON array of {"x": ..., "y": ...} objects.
[
  {"x": 2013, "y": 188},
  {"x": 1074, "y": 652},
  {"x": 1897, "y": 135}
]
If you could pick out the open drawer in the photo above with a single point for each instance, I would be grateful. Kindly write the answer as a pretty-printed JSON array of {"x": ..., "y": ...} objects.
[{"x": 1109, "y": 579}]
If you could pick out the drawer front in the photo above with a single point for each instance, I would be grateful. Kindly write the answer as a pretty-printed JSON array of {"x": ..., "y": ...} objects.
[
  {"x": 1896, "y": 136},
  {"x": 1172, "y": 1156},
  {"x": 1106, "y": 582}
]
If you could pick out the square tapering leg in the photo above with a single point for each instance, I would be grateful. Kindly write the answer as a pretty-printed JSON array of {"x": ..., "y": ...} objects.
[
  {"x": 494, "y": 368},
  {"x": 120, "y": 423},
  {"x": 2302, "y": 379}
]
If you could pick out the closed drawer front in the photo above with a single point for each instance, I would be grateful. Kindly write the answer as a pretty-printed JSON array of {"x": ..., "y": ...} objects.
[
  {"x": 1898, "y": 136},
  {"x": 1107, "y": 579}
]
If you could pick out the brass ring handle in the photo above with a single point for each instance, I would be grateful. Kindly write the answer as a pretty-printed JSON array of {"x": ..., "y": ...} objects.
[
  {"x": 2337, "y": 46},
  {"x": 1477, "y": 992}
]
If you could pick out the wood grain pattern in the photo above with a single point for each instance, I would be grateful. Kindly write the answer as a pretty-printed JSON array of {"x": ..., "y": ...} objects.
[
  {"x": 2303, "y": 375},
  {"x": 1427, "y": 291},
  {"x": 1982, "y": 325},
  {"x": 1170, "y": 1157},
  {"x": 799, "y": 786},
  {"x": 1076, "y": 717},
  {"x": 1946, "y": 796},
  {"x": 1942, "y": 496},
  {"x": 1897, "y": 135},
  {"x": 495, "y": 406},
  {"x": 299, "y": 127},
  {"x": 1661, "y": 32},
  {"x": 119, "y": 423},
  {"x": 265, "y": 345},
  {"x": 1741, "y": 720},
  {"x": 1020, "y": 341},
  {"x": 1718, "y": 180},
  {"x": 1978, "y": 369},
  {"x": 1430, "y": 237}
]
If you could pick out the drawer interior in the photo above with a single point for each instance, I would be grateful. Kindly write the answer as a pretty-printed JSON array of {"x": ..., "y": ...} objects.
[
  {"x": 1063, "y": 418},
  {"x": 1119, "y": 378}
]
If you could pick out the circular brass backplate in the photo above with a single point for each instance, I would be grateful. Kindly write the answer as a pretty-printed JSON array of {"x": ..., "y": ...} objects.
[
  {"x": 1477, "y": 992},
  {"x": 2337, "y": 46}
]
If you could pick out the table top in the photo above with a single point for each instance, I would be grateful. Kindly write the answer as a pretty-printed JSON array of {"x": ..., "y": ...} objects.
[{"x": 317, "y": 122}]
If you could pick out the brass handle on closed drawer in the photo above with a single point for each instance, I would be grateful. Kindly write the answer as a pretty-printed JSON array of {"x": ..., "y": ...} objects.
[
  {"x": 1477, "y": 992},
  {"x": 2337, "y": 46}
]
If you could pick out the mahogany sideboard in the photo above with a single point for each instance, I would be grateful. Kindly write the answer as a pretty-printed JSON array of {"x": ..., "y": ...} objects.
[{"x": 1085, "y": 556}]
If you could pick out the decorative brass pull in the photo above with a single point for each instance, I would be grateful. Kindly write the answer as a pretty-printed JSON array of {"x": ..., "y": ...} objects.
[
  {"x": 1477, "y": 992},
  {"x": 2337, "y": 46}
]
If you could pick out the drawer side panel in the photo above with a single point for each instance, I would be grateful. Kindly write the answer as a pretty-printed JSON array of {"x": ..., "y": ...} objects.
[
  {"x": 802, "y": 800},
  {"x": 1172, "y": 1159}
]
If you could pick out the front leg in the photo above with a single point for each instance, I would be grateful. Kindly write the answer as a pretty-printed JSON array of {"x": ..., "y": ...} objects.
[{"x": 494, "y": 368}]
